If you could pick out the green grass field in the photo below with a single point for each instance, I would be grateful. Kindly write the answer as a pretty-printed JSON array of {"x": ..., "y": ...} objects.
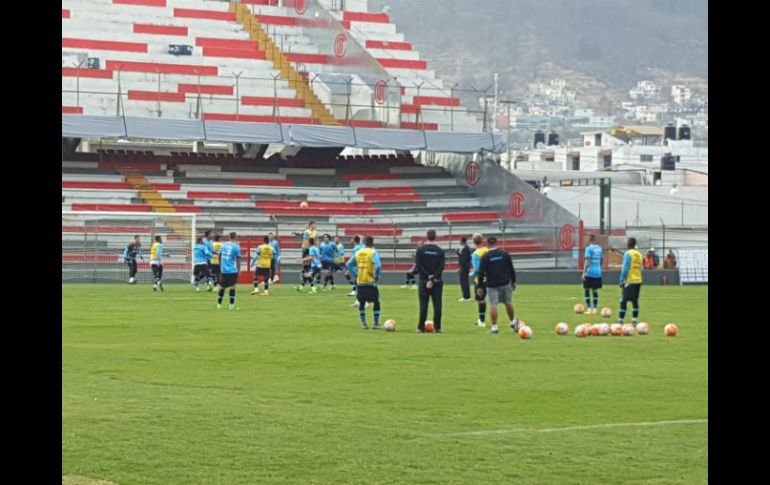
[{"x": 165, "y": 389}]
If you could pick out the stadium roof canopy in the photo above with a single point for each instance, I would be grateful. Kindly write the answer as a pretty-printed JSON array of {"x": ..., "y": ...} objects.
[{"x": 78, "y": 126}]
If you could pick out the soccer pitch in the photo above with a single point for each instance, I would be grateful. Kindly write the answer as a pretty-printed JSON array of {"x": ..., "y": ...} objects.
[{"x": 165, "y": 389}]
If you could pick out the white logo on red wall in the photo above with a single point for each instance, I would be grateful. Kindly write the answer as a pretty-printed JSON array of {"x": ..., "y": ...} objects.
[
  {"x": 339, "y": 45},
  {"x": 300, "y": 7},
  {"x": 472, "y": 173},
  {"x": 566, "y": 236},
  {"x": 516, "y": 204},
  {"x": 379, "y": 92}
]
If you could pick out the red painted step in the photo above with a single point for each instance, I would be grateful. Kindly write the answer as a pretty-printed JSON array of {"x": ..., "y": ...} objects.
[
  {"x": 276, "y": 19},
  {"x": 149, "y": 166},
  {"x": 264, "y": 182},
  {"x": 374, "y": 232},
  {"x": 103, "y": 45},
  {"x": 308, "y": 58},
  {"x": 267, "y": 101},
  {"x": 322, "y": 213},
  {"x": 146, "y": 3},
  {"x": 381, "y": 18},
  {"x": 75, "y": 110},
  {"x": 403, "y": 64},
  {"x": 470, "y": 216},
  {"x": 96, "y": 185},
  {"x": 299, "y": 120},
  {"x": 226, "y": 43},
  {"x": 364, "y": 123},
  {"x": 384, "y": 44},
  {"x": 89, "y": 73},
  {"x": 218, "y": 195},
  {"x": 154, "y": 67},
  {"x": 205, "y": 89},
  {"x": 422, "y": 126},
  {"x": 393, "y": 198},
  {"x": 350, "y": 177},
  {"x": 436, "y": 101},
  {"x": 385, "y": 190},
  {"x": 136, "y": 95},
  {"x": 194, "y": 13},
  {"x": 65, "y": 14},
  {"x": 291, "y": 204},
  {"x": 107, "y": 229},
  {"x": 233, "y": 53},
  {"x": 160, "y": 29}
]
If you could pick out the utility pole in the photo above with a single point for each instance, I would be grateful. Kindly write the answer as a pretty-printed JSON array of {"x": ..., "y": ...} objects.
[{"x": 511, "y": 164}]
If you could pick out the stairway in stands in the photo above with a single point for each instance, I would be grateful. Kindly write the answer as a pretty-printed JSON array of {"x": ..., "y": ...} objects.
[
  {"x": 154, "y": 199},
  {"x": 273, "y": 53}
]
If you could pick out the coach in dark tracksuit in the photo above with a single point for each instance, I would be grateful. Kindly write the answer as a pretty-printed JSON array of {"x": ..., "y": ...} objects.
[
  {"x": 465, "y": 267},
  {"x": 430, "y": 261}
]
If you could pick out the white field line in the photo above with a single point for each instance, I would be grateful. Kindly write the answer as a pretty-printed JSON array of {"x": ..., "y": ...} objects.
[{"x": 572, "y": 428}]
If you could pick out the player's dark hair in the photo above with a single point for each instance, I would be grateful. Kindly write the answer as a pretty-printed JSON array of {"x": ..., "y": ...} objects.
[
  {"x": 137, "y": 237},
  {"x": 157, "y": 238},
  {"x": 216, "y": 237},
  {"x": 207, "y": 234},
  {"x": 431, "y": 235},
  {"x": 266, "y": 239},
  {"x": 233, "y": 235},
  {"x": 357, "y": 240},
  {"x": 592, "y": 237},
  {"x": 369, "y": 241},
  {"x": 311, "y": 241},
  {"x": 463, "y": 240},
  {"x": 632, "y": 242},
  {"x": 199, "y": 240},
  {"x": 492, "y": 240}
]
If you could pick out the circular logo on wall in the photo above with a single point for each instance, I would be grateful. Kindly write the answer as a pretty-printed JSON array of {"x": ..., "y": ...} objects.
[
  {"x": 587, "y": 143},
  {"x": 472, "y": 173},
  {"x": 300, "y": 7},
  {"x": 566, "y": 236},
  {"x": 339, "y": 45},
  {"x": 516, "y": 204},
  {"x": 380, "y": 90}
]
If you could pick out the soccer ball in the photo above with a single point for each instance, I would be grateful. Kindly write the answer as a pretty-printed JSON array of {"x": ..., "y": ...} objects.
[
  {"x": 429, "y": 327},
  {"x": 390, "y": 325},
  {"x": 606, "y": 312},
  {"x": 580, "y": 308},
  {"x": 604, "y": 329},
  {"x": 616, "y": 330},
  {"x": 303, "y": 205},
  {"x": 643, "y": 329},
  {"x": 525, "y": 333},
  {"x": 671, "y": 330},
  {"x": 628, "y": 330},
  {"x": 562, "y": 328},
  {"x": 596, "y": 329},
  {"x": 582, "y": 330}
]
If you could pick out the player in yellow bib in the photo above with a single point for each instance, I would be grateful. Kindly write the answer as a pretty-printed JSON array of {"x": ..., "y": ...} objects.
[
  {"x": 215, "y": 268},
  {"x": 479, "y": 287},
  {"x": 631, "y": 281},
  {"x": 366, "y": 263},
  {"x": 264, "y": 258}
]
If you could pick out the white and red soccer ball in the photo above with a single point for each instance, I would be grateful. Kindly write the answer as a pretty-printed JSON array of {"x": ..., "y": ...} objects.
[
  {"x": 671, "y": 330},
  {"x": 390, "y": 325},
  {"x": 562, "y": 328},
  {"x": 525, "y": 332}
]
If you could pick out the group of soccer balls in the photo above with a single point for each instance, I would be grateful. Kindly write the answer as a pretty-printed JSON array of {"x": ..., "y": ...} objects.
[{"x": 615, "y": 329}]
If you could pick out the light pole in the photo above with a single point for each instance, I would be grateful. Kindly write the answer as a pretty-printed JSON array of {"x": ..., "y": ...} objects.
[{"x": 508, "y": 140}]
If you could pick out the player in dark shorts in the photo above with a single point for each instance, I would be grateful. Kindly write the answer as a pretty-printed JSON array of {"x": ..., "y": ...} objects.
[
  {"x": 592, "y": 274},
  {"x": 215, "y": 267}
]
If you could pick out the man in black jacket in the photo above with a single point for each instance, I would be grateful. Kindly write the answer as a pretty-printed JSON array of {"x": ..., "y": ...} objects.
[
  {"x": 430, "y": 261},
  {"x": 464, "y": 254},
  {"x": 496, "y": 270}
]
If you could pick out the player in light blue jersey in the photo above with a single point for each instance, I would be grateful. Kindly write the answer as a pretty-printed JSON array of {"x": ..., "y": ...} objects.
[
  {"x": 275, "y": 268},
  {"x": 328, "y": 252},
  {"x": 357, "y": 246},
  {"x": 209, "y": 243},
  {"x": 201, "y": 258},
  {"x": 592, "y": 274},
  {"x": 313, "y": 260},
  {"x": 230, "y": 262}
]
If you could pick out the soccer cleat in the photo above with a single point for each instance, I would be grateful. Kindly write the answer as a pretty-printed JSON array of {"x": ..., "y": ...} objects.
[
  {"x": 352, "y": 293},
  {"x": 481, "y": 324},
  {"x": 197, "y": 289},
  {"x": 620, "y": 321},
  {"x": 634, "y": 322},
  {"x": 154, "y": 287},
  {"x": 255, "y": 292},
  {"x": 265, "y": 293},
  {"x": 376, "y": 327},
  {"x": 515, "y": 325},
  {"x": 494, "y": 329},
  {"x": 404, "y": 286},
  {"x": 232, "y": 307},
  {"x": 354, "y": 304},
  {"x": 333, "y": 288},
  {"x": 463, "y": 300},
  {"x": 364, "y": 326},
  {"x": 438, "y": 330},
  {"x": 219, "y": 306},
  {"x": 210, "y": 289},
  {"x": 298, "y": 288},
  {"x": 419, "y": 330},
  {"x": 413, "y": 287},
  {"x": 161, "y": 287},
  {"x": 314, "y": 290}
]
